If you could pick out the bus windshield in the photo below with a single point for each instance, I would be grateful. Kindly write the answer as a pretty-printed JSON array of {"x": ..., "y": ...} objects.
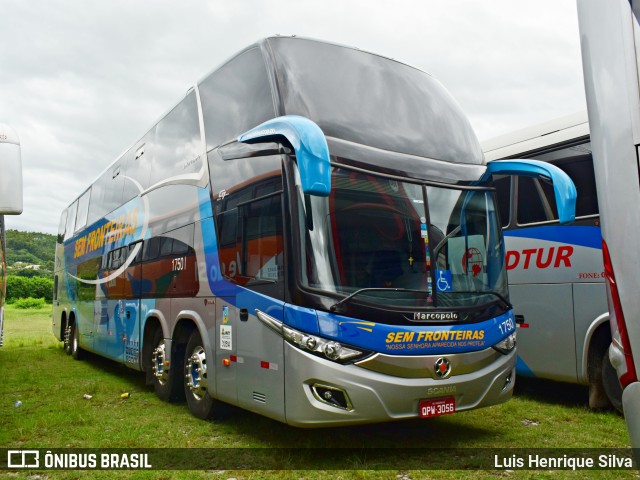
[{"x": 399, "y": 244}]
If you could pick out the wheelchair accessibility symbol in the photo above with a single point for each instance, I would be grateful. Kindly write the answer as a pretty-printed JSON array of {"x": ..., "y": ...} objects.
[{"x": 444, "y": 281}]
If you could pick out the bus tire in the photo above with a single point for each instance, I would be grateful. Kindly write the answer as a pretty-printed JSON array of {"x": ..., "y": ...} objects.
[
  {"x": 165, "y": 383},
  {"x": 201, "y": 404},
  {"x": 611, "y": 383},
  {"x": 76, "y": 352},
  {"x": 67, "y": 337},
  {"x": 598, "y": 351}
]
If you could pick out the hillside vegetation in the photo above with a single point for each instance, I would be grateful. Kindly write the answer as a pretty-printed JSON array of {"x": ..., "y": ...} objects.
[
  {"x": 30, "y": 254},
  {"x": 30, "y": 261}
]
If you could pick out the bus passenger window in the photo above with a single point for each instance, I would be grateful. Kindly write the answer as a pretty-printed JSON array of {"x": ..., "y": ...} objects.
[
  {"x": 166, "y": 244},
  {"x": 249, "y": 230},
  {"x": 235, "y": 98},
  {"x": 115, "y": 259},
  {"x": 71, "y": 220},
  {"x": 179, "y": 247},
  {"x": 83, "y": 210},
  {"x": 138, "y": 162},
  {"x": 580, "y": 169},
  {"x": 61, "y": 227},
  {"x": 177, "y": 140},
  {"x": 132, "y": 246},
  {"x": 536, "y": 201},
  {"x": 151, "y": 249},
  {"x": 577, "y": 162},
  {"x": 503, "y": 192},
  {"x": 228, "y": 228},
  {"x": 262, "y": 243}
]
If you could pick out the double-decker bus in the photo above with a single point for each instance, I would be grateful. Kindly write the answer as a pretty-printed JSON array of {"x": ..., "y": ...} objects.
[
  {"x": 609, "y": 37},
  {"x": 556, "y": 275},
  {"x": 310, "y": 234},
  {"x": 10, "y": 200}
]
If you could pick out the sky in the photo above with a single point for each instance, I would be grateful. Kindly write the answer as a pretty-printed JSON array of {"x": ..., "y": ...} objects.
[{"x": 82, "y": 80}]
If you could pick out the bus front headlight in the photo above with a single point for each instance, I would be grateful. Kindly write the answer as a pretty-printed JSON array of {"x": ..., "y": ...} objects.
[
  {"x": 329, "y": 349},
  {"x": 506, "y": 344}
]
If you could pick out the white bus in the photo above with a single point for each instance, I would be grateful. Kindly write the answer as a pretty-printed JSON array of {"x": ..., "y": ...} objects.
[
  {"x": 556, "y": 278},
  {"x": 10, "y": 199},
  {"x": 610, "y": 41}
]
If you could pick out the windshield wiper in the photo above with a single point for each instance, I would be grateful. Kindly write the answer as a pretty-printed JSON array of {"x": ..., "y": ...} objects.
[
  {"x": 336, "y": 305},
  {"x": 455, "y": 231},
  {"x": 501, "y": 298}
]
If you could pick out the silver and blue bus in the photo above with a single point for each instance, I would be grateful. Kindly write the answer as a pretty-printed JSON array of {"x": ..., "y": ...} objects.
[
  {"x": 556, "y": 274},
  {"x": 311, "y": 234}
]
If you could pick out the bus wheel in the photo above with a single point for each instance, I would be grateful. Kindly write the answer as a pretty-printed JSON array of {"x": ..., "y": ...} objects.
[
  {"x": 76, "y": 351},
  {"x": 166, "y": 386},
  {"x": 196, "y": 385},
  {"x": 67, "y": 337},
  {"x": 611, "y": 383}
]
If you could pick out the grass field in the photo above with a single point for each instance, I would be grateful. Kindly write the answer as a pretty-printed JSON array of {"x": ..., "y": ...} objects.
[{"x": 35, "y": 370}]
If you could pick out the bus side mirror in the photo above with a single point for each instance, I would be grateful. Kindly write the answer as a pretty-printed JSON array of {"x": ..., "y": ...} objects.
[
  {"x": 11, "y": 168},
  {"x": 563, "y": 187},
  {"x": 310, "y": 145}
]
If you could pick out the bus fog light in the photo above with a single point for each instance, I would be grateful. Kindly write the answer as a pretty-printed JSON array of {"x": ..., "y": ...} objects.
[
  {"x": 506, "y": 344},
  {"x": 336, "y": 397},
  {"x": 507, "y": 381}
]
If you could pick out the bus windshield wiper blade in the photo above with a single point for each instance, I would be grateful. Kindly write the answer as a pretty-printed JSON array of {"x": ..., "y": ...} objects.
[
  {"x": 500, "y": 297},
  {"x": 336, "y": 305}
]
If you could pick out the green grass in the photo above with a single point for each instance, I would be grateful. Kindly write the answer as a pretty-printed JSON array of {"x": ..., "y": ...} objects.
[{"x": 35, "y": 370}]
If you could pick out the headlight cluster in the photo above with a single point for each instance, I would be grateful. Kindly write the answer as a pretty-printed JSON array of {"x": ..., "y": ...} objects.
[
  {"x": 329, "y": 349},
  {"x": 506, "y": 344}
]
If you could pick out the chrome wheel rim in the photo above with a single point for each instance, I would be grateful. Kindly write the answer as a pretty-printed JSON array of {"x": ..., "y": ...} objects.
[
  {"x": 67, "y": 337},
  {"x": 74, "y": 340},
  {"x": 157, "y": 361},
  {"x": 196, "y": 373}
]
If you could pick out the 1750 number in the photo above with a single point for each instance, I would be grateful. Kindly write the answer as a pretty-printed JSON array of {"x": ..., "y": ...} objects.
[
  {"x": 179, "y": 263},
  {"x": 507, "y": 326}
]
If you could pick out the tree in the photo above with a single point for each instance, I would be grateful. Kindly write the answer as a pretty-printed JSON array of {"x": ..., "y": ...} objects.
[{"x": 24, "y": 287}]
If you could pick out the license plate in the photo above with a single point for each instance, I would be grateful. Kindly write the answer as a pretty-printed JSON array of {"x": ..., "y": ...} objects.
[{"x": 437, "y": 406}]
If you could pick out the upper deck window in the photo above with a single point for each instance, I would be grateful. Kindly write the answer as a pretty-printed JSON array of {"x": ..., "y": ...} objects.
[
  {"x": 177, "y": 140},
  {"x": 372, "y": 100},
  {"x": 236, "y": 98}
]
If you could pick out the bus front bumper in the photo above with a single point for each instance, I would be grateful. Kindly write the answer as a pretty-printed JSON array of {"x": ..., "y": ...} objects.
[{"x": 371, "y": 396}]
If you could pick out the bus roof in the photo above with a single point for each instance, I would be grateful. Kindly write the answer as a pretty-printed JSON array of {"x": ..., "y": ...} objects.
[
  {"x": 537, "y": 137},
  {"x": 356, "y": 96}
]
